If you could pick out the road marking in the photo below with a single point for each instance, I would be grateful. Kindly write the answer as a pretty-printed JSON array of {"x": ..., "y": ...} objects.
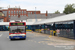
[
  {"x": 35, "y": 41},
  {"x": 1, "y": 35},
  {"x": 50, "y": 36},
  {"x": 39, "y": 42},
  {"x": 38, "y": 33},
  {"x": 31, "y": 40},
  {"x": 28, "y": 40}
]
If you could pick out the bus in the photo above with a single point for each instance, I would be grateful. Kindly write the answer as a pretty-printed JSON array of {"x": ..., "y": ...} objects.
[{"x": 17, "y": 30}]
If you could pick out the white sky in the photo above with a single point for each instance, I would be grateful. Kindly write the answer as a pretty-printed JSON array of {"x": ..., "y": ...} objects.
[{"x": 50, "y": 5}]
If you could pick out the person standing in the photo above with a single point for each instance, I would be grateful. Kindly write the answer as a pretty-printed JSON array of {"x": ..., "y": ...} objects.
[{"x": 58, "y": 32}]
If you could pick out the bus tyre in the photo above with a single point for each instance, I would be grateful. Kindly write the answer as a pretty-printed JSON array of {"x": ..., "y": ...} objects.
[
  {"x": 11, "y": 39},
  {"x": 24, "y": 38}
]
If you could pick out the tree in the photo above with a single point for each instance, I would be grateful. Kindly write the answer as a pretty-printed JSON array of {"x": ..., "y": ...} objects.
[
  {"x": 69, "y": 8},
  {"x": 57, "y": 12}
]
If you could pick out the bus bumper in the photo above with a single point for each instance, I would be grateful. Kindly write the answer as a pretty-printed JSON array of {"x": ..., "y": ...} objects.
[{"x": 17, "y": 37}]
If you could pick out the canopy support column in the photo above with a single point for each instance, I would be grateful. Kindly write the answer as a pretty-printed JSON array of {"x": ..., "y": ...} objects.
[
  {"x": 74, "y": 28},
  {"x": 54, "y": 29},
  {"x": 44, "y": 27}
]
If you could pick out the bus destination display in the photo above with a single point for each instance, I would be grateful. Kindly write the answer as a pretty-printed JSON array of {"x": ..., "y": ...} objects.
[{"x": 17, "y": 23}]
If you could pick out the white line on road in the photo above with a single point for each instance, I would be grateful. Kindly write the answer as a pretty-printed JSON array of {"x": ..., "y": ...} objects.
[
  {"x": 35, "y": 41},
  {"x": 1, "y": 35}
]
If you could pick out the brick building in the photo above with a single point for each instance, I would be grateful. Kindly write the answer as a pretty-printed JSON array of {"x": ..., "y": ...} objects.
[
  {"x": 14, "y": 12},
  {"x": 11, "y": 14}
]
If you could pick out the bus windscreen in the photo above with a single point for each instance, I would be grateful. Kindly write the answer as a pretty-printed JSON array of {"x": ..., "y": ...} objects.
[{"x": 17, "y": 29}]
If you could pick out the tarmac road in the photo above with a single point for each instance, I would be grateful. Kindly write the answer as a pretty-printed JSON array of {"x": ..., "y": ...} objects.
[{"x": 33, "y": 41}]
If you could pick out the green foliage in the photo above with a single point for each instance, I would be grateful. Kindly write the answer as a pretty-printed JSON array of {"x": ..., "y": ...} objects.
[
  {"x": 0, "y": 14},
  {"x": 57, "y": 12},
  {"x": 69, "y": 8}
]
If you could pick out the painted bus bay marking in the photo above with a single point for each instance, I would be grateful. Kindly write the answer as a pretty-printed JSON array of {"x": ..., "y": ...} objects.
[{"x": 1, "y": 35}]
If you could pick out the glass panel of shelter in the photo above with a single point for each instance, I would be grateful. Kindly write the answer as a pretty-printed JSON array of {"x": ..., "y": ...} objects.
[{"x": 66, "y": 29}]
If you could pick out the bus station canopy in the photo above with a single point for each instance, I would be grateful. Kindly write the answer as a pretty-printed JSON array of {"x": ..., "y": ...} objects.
[
  {"x": 4, "y": 23},
  {"x": 29, "y": 23},
  {"x": 68, "y": 17}
]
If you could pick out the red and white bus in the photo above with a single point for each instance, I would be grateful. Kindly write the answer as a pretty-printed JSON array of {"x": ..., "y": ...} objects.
[{"x": 17, "y": 30}]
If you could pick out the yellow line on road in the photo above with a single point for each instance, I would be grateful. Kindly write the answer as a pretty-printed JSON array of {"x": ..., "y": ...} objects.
[{"x": 50, "y": 36}]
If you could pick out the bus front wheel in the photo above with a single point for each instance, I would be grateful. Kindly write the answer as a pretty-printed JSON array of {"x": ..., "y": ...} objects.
[
  {"x": 11, "y": 39},
  {"x": 24, "y": 38}
]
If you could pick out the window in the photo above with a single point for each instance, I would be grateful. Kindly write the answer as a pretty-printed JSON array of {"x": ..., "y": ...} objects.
[
  {"x": 9, "y": 16},
  {"x": 31, "y": 12},
  {"x": 9, "y": 12},
  {"x": 17, "y": 12},
  {"x": 21, "y": 29},
  {"x": 14, "y": 12},
  {"x": 15, "y": 29},
  {"x": 64, "y": 26},
  {"x": 22, "y": 12},
  {"x": 1, "y": 20}
]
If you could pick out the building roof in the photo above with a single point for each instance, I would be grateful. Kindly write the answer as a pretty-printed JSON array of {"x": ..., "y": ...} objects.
[
  {"x": 68, "y": 17},
  {"x": 38, "y": 16},
  {"x": 52, "y": 15},
  {"x": 18, "y": 18},
  {"x": 33, "y": 16}
]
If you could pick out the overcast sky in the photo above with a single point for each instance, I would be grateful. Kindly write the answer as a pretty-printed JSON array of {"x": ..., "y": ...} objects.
[{"x": 50, "y": 5}]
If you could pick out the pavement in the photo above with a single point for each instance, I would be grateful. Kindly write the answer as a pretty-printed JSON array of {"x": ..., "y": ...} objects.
[
  {"x": 36, "y": 41},
  {"x": 54, "y": 40}
]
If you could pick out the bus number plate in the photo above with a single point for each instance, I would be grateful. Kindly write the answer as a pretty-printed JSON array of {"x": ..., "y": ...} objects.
[{"x": 17, "y": 38}]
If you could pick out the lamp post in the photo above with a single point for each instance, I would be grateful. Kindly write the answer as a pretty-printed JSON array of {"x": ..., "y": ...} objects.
[{"x": 35, "y": 14}]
